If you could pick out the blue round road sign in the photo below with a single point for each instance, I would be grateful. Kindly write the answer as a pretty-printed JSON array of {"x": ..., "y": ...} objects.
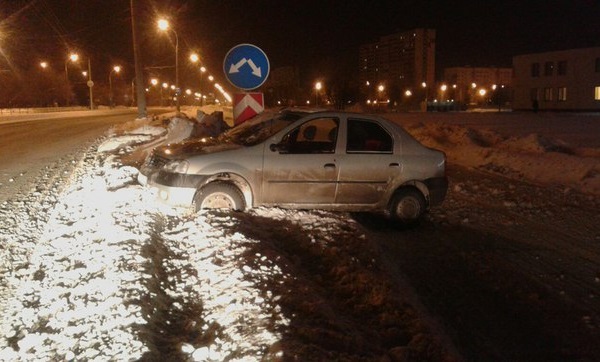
[{"x": 246, "y": 66}]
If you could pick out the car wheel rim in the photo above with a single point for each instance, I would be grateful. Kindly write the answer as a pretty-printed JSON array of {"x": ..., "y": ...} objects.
[
  {"x": 408, "y": 209},
  {"x": 218, "y": 200}
]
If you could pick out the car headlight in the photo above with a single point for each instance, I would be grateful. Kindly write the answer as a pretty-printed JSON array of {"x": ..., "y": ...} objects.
[{"x": 179, "y": 166}]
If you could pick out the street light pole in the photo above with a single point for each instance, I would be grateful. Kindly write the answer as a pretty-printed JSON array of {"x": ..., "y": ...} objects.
[
  {"x": 68, "y": 88},
  {"x": 177, "y": 89},
  {"x": 202, "y": 70},
  {"x": 72, "y": 57},
  {"x": 116, "y": 69},
  {"x": 90, "y": 84},
  {"x": 164, "y": 25},
  {"x": 318, "y": 87}
]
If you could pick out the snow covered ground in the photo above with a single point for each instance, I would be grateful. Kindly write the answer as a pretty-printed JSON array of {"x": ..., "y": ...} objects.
[{"x": 92, "y": 269}]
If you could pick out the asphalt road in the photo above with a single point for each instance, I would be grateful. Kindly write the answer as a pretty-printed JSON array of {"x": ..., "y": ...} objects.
[{"x": 29, "y": 143}]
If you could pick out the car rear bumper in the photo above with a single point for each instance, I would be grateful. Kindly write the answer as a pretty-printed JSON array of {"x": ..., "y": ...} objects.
[{"x": 438, "y": 187}]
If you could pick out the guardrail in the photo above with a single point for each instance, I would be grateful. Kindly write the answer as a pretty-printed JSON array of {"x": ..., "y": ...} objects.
[{"x": 9, "y": 111}]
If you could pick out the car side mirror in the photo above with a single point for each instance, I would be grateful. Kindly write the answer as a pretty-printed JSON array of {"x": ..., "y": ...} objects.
[{"x": 278, "y": 147}]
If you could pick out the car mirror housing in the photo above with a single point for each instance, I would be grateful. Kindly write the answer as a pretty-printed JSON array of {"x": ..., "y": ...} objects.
[{"x": 278, "y": 147}]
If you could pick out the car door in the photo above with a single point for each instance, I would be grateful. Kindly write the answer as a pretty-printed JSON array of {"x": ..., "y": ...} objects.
[
  {"x": 367, "y": 163},
  {"x": 302, "y": 167}
]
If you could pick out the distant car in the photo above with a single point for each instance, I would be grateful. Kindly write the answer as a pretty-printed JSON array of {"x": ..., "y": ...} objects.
[{"x": 325, "y": 160}]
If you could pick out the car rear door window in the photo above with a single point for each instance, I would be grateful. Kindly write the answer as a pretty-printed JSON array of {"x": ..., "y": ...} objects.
[{"x": 368, "y": 137}]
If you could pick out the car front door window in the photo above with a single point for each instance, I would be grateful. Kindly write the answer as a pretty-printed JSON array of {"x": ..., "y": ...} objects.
[{"x": 315, "y": 136}]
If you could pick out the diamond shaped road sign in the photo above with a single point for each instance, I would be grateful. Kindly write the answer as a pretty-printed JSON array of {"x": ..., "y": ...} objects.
[{"x": 246, "y": 66}]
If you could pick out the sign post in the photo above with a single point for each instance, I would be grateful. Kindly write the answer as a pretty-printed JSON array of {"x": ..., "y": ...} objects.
[{"x": 246, "y": 67}]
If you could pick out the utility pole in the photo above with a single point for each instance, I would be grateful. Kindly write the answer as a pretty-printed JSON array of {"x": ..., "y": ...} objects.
[{"x": 139, "y": 75}]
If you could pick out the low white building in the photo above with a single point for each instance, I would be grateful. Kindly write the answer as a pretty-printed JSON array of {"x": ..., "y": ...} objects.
[{"x": 567, "y": 80}]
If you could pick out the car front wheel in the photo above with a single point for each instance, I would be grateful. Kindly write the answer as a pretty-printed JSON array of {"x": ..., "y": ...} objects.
[
  {"x": 219, "y": 195},
  {"x": 407, "y": 206}
]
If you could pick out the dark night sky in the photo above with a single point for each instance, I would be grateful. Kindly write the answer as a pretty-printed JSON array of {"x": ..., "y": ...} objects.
[{"x": 316, "y": 36}]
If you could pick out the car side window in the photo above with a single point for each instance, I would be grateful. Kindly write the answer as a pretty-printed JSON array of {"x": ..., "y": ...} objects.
[
  {"x": 318, "y": 135},
  {"x": 368, "y": 137}
]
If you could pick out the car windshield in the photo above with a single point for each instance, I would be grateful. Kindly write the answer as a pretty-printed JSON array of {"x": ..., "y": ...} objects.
[{"x": 259, "y": 128}]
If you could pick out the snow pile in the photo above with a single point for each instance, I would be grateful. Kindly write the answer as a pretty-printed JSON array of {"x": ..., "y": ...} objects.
[
  {"x": 532, "y": 157},
  {"x": 111, "y": 272}
]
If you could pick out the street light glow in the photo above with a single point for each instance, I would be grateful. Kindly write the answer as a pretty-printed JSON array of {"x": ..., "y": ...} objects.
[
  {"x": 44, "y": 65},
  {"x": 194, "y": 58},
  {"x": 163, "y": 24},
  {"x": 154, "y": 81},
  {"x": 318, "y": 86},
  {"x": 117, "y": 68}
]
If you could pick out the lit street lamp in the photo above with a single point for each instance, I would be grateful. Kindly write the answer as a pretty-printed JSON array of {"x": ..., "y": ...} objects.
[
  {"x": 73, "y": 57},
  {"x": 318, "y": 87},
  {"x": 443, "y": 88},
  {"x": 380, "y": 89},
  {"x": 202, "y": 71},
  {"x": 164, "y": 26},
  {"x": 116, "y": 69}
]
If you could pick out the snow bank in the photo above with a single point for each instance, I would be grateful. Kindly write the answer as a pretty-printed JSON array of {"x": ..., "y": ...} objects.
[
  {"x": 112, "y": 270},
  {"x": 533, "y": 157}
]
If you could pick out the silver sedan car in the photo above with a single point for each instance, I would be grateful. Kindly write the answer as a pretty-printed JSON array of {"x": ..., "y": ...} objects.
[{"x": 321, "y": 160}]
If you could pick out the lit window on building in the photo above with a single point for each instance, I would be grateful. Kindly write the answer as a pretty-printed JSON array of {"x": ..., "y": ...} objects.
[
  {"x": 548, "y": 68},
  {"x": 547, "y": 94},
  {"x": 562, "y": 67},
  {"x": 597, "y": 93},
  {"x": 535, "y": 69},
  {"x": 562, "y": 94}
]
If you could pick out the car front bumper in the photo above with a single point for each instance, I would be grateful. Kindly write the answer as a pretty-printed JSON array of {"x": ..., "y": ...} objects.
[
  {"x": 176, "y": 189},
  {"x": 175, "y": 196}
]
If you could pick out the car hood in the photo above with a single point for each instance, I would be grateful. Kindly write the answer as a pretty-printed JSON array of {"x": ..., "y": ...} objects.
[{"x": 194, "y": 147}]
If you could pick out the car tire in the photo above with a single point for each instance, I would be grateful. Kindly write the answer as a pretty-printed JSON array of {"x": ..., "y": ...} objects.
[
  {"x": 407, "y": 207},
  {"x": 219, "y": 195}
]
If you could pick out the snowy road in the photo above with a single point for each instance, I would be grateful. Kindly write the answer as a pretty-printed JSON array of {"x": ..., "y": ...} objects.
[{"x": 508, "y": 268}]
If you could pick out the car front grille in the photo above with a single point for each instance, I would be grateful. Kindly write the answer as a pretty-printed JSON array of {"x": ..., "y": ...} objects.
[{"x": 156, "y": 161}]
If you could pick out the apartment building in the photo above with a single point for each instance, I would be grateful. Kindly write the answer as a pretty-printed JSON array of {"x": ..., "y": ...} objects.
[
  {"x": 398, "y": 62},
  {"x": 567, "y": 80}
]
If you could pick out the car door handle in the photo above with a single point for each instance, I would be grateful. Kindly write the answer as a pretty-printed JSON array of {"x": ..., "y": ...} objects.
[
  {"x": 329, "y": 166},
  {"x": 394, "y": 164}
]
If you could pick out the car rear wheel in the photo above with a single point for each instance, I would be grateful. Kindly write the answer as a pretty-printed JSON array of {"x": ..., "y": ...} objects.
[
  {"x": 219, "y": 195},
  {"x": 407, "y": 206}
]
